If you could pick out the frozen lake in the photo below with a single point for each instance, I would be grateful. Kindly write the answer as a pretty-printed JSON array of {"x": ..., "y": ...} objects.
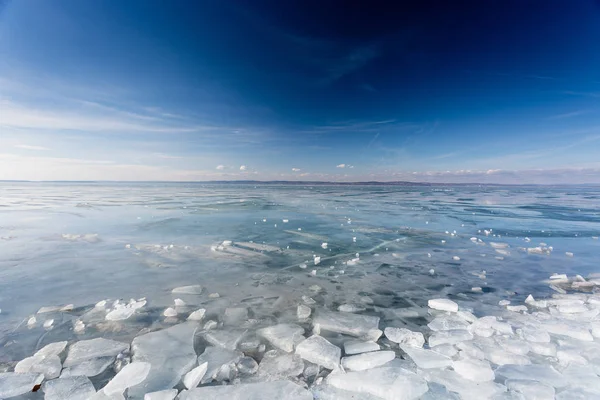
[{"x": 263, "y": 247}]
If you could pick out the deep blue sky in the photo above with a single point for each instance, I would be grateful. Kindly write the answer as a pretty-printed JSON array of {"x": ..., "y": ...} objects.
[{"x": 486, "y": 91}]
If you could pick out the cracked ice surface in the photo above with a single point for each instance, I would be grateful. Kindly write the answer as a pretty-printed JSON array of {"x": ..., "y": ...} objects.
[{"x": 372, "y": 322}]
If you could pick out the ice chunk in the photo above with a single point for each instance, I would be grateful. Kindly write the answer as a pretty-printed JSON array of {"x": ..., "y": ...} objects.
[
  {"x": 467, "y": 389},
  {"x": 49, "y": 366},
  {"x": 575, "y": 394},
  {"x": 48, "y": 323},
  {"x": 303, "y": 312},
  {"x": 320, "y": 351},
  {"x": 247, "y": 366},
  {"x": 169, "y": 394},
  {"x": 85, "y": 350},
  {"x": 52, "y": 349},
  {"x": 69, "y": 388},
  {"x": 131, "y": 375},
  {"x": 467, "y": 316},
  {"x": 49, "y": 309},
  {"x": 91, "y": 367},
  {"x": 120, "y": 313},
  {"x": 543, "y": 349},
  {"x": 358, "y": 346},
  {"x": 249, "y": 391},
  {"x": 443, "y": 305},
  {"x": 534, "y": 372},
  {"x": 191, "y": 289},
  {"x": 517, "y": 308},
  {"x": 193, "y": 378},
  {"x": 565, "y": 358},
  {"x": 283, "y": 336},
  {"x": 535, "y": 335},
  {"x": 389, "y": 383},
  {"x": 447, "y": 350},
  {"x": 449, "y": 337},
  {"x": 570, "y": 330},
  {"x": 474, "y": 370},
  {"x": 235, "y": 316},
  {"x": 404, "y": 336},
  {"x": 348, "y": 323},
  {"x": 447, "y": 322},
  {"x": 352, "y": 308},
  {"x": 513, "y": 345},
  {"x": 531, "y": 389},
  {"x": 217, "y": 359},
  {"x": 171, "y": 354},
  {"x": 328, "y": 392},
  {"x": 501, "y": 357},
  {"x": 224, "y": 338},
  {"x": 14, "y": 384},
  {"x": 197, "y": 315},
  {"x": 278, "y": 365},
  {"x": 426, "y": 358},
  {"x": 469, "y": 350},
  {"x": 365, "y": 361}
]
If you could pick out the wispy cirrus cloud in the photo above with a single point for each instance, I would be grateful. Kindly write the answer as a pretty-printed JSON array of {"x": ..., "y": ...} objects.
[
  {"x": 31, "y": 147},
  {"x": 570, "y": 114}
]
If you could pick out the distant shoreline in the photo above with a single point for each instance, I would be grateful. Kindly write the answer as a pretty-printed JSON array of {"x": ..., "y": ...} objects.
[{"x": 316, "y": 183}]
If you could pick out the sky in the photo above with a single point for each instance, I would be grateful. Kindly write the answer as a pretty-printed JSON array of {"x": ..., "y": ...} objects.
[{"x": 483, "y": 91}]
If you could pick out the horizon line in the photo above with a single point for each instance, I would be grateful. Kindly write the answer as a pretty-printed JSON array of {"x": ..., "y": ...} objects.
[{"x": 347, "y": 183}]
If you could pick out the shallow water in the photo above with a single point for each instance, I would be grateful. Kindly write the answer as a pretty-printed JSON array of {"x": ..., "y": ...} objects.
[{"x": 81, "y": 243}]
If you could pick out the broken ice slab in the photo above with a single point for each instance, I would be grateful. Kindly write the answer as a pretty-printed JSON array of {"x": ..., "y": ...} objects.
[
  {"x": 193, "y": 378},
  {"x": 443, "y": 305},
  {"x": 404, "y": 336},
  {"x": 567, "y": 329},
  {"x": 358, "y": 346},
  {"x": 426, "y": 358},
  {"x": 227, "y": 339},
  {"x": 499, "y": 356},
  {"x": 197, "y": 315},
  {"x": 131, "y": 375},
  {"x": 328, "y": 392},
  {"x": 474, "y": 370},
  {"x": 52, "y": 349},
  {"x": 249, "y": 391},
  {"x": 534, "y": 334},
  {"x": 171, "y": 354},
  {"x": 449, "y": 337},
  {"x": 69, "y": 388},
  {"x": 531, "y": 389},
  {"x": 447, "y": 322},
  {"x": 282, "y": 336},
  {"x": 14, "y": 384},
  {"x": 351, "y": 308},
  {"x": 534, "y": 372},
  {"x": 447, "y": 350},
  {"x": 92, "y": 367},
  {"x": 247, "y": 366},
  {"x": 191, "y": 289},
  {"x": 217, "y": 358},
  {"x": 320, "y": 351},
  {"x": 389, "y": 383},
  {"x": 467, "y": 389},
  {"x": 235, "y": 316},
  {"x": 49, "y": 366},
  {"x": 278, "y": 365},
  {"x": 364, "y": 326},
  {"x": 303, "y": 312},
  {"x": 169, "y": 394},
  {"x": 365, "y": 361},
  {"x": 85, "y": 350}
]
